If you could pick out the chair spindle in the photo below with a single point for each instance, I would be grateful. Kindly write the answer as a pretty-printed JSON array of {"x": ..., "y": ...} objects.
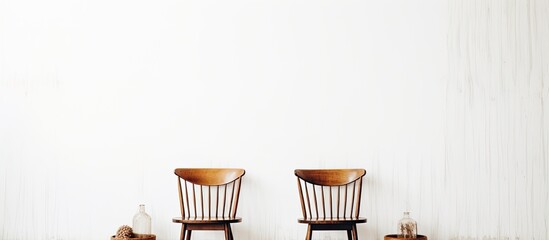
[
  {"x": 359, "y": 195},
  {"x": 316, "y": 204},
  {"x": 194, "y": 200},
  {"x": 353, "y": 199},
  {"x": 308, "y": 200},
  {"x": 181, "y": 206},
  {"x": 237, "y": 197},
  {"x": 187, "y": 198},
  {"x": 345, "y": 201}
]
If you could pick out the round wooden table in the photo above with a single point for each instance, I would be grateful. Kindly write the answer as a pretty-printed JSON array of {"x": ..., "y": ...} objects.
[
  {"x": 395, "y": 237},
  {"x": 138, "y": 237}
]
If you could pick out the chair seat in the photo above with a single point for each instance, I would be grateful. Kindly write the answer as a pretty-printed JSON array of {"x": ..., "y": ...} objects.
[
  {"x": 341, "y": 220},
  {"x": 206, "y": 220}
]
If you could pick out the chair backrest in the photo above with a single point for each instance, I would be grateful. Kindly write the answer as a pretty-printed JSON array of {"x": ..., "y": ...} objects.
[
  {"x": 330, "y": 193},
  {"x": 209, "y": 192}
]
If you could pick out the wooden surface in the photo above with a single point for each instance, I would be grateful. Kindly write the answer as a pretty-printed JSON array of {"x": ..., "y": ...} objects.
[
  {"x": 330, "y": 177},
  {"x": 206, "y": 220},
  {"x": 332, "y": 221},
  {"x": 139, "y": 237},
  {"x": 395, "y": 237},
  {"x": 209, "y": 176}
]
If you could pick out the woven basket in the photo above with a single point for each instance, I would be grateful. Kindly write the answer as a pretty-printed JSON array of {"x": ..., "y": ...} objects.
[{"x": 137, "y": 237}]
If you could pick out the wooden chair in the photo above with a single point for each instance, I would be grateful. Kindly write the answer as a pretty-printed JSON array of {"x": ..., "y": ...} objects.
[
  {"x": 330, "y": 199},
  {"x": 208, "y": 199}
]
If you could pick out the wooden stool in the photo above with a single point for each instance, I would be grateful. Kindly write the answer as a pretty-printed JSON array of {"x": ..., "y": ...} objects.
[
  {"x": 395, "y": 237},
  {"x": 140, "y": 237}
]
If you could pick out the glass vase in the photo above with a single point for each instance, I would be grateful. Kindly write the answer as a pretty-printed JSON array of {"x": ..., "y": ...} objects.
[
  {"x": 141, "y": 221},
  {"x": 407, "y": 227}
]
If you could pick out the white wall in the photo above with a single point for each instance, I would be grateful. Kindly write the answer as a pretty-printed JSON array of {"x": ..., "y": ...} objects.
[{"x": 443, "y": 102}]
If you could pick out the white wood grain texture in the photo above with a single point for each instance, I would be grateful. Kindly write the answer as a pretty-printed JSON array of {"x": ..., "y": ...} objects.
[{"x": 496, "y": 134}]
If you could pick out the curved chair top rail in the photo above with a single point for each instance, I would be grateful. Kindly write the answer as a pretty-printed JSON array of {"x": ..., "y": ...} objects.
[
  {"x": 330, "y": 177},
  {"x": 210, "y": 176}
]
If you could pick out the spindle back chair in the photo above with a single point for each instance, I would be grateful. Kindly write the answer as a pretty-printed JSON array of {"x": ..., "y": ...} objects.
[
  {"x": 330, "y": 199},
  {"x": 208, "y": 199}
]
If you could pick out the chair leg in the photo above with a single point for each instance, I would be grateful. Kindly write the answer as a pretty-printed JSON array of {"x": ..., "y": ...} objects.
[
  {"x": 227, "y": 232},
  {"x": 230, "y": 231},
  {"x": 309, "y": 233},
  {"x": 189, "y": 234},
  {"x": 349, "y": 235},
  {"x": 355, "y": 234},
  {"x": 183, "y": 230}
]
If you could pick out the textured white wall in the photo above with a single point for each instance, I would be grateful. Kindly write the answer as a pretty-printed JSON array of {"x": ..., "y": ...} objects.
[
  {"x": 443, "y": 102},
  {"x": 496, "y": 123}
]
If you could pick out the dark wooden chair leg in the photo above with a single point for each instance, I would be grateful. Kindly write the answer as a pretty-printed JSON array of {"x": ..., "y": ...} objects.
[
  {"x": 227, "y": 232},
  {"x": 182, "y": 234},
  {"x": 309, "y": 233},
  {"x": 230, "y": 231},
  {"x": 355, "y": 234},
  {"x": 349, "y": 235},
  {"x": 189, "y": 234}
]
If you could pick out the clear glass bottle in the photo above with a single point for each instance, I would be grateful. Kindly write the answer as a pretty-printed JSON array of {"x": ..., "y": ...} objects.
[
  {"x": 407, "y": 227},
  {"x": 141, "y": 221}
]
